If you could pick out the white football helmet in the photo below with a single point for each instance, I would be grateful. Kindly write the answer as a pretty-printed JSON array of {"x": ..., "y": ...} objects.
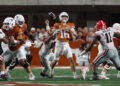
[
  {"x": 116, "y": 25},
  {"x": 8, "y": 23},
  {"x": 63, "y": 14},
  {"x": 19, "y": 20}
]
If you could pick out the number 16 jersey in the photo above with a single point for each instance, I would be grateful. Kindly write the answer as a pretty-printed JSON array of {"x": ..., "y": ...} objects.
[{"x": 64, "y": 35}]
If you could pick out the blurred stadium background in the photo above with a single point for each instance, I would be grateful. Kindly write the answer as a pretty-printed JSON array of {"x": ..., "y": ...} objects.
[{"x": 84, "y": 13}]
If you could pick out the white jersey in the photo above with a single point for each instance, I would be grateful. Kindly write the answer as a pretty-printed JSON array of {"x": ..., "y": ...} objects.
[
  {"x": 43, "y": 35},
  {"x": 106, "y": 39}
]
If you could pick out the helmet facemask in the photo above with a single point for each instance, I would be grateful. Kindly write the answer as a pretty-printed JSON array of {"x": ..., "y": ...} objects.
[
  {"x": 19, "y": 20},
  {"x": 20, "y": 24},
  {"x": 64, "y": 19},
  {"x": 8, "y": 23}
]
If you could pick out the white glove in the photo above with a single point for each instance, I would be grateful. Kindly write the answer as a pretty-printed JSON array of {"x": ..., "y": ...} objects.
[
  {"x": 2, "y": 35},
  {"x": 73, "y": 30},
  {"x": 27, "y": 44},
  {"x": 82, "y": 53},
  {"x": 56, "y": 32},
  {"x": 37, "y": 43}
]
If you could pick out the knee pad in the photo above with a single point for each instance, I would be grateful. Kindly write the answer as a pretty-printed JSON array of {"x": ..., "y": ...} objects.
[
  {"x": 25, "y": 64},
  {"x": 107, "y": 68},
  {"x": 8, "y": 63},
  {"x": 29, "y": 58}
]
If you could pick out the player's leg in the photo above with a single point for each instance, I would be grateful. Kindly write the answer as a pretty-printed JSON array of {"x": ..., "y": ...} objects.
[
  {"x": 2, "y": 69},
  {"x": 42, "y": 54},
  {"x": 8, "y": 56},
  {"x": 58, "y": 52},
  {"x": 116, "y": 61},
  {"x": 45, "y": 69},
  {"x": 54, "y": 62},
  {"x": 68, "y": 54},
  {"x": 29, "y": 58},
  {"x": 13, "y": 64},
  {"x": 21, "y": 55},
  {"x": 98, "y": 60},
  {"x": 107, "y": 67},
  {"x": 84, "y": 69}
]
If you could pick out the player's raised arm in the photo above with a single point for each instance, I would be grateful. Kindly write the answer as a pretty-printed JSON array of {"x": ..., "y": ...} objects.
[{"x": 95, "y": 38}]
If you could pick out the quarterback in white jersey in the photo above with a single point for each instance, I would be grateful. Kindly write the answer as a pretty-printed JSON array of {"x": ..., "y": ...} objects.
[{"x": 105, "y": 37}]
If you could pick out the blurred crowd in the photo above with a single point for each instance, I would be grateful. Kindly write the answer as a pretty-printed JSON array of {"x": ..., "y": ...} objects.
[{"x": 84, "y": 34}]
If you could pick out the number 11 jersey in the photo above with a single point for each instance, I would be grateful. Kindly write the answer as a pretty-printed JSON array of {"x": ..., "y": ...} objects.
[{"x": 105, "y": 38}]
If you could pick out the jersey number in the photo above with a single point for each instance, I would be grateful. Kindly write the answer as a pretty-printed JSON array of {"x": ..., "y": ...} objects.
[
  {"x": 108, "y": 37},
  {"x": 64, "y": 34}
]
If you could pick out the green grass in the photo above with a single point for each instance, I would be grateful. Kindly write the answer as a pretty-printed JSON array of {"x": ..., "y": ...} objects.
[{"x": 63, "y": 76}]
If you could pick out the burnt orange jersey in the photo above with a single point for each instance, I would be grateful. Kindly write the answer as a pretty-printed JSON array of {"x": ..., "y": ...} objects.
[
  {"x": 64, "y": 35},
  {"x": 13, "y": 32},
  {"x": 24, "y": 27},
  {"x": 25, "y": 37}
]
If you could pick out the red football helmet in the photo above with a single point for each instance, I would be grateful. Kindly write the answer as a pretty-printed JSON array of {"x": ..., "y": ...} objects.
[{"x": 101, "y": 25}]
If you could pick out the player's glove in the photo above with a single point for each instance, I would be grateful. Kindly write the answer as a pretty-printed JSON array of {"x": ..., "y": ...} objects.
[
  {"x": 28, "y": 44},
  {"x": 56, "y": 32}
]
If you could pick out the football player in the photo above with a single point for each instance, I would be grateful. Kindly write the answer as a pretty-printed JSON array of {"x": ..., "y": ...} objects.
[
  {"x": 108, "y": 64},
  {"x": 66, "y": 33},
  {"x": 105, "y": 37},
  {"x": 20, "y": 22},
  {"x": 16, "y": 45},
  {"x": 45, "y": 51},
  {"x": 2, "y": 63},
  {"x": 83, "y": 61}
]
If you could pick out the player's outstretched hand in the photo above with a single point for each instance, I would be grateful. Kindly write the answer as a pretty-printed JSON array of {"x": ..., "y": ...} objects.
[{"x": 47, "y": 22}]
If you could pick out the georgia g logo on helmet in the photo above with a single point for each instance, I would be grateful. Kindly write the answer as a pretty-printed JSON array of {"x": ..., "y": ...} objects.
[{"x": 63, "y": 17}]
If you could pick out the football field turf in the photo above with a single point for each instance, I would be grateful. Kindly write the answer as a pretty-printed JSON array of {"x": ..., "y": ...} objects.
[{"x": 62, "y": 77}]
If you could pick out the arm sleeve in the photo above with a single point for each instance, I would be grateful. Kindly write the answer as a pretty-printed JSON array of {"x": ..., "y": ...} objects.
[
  {"x": 96, "y": 37},
  {"x": 73, "y": 31},
  {"x": 47, "y": 27},
  {"x": 2, "y": 35}
]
